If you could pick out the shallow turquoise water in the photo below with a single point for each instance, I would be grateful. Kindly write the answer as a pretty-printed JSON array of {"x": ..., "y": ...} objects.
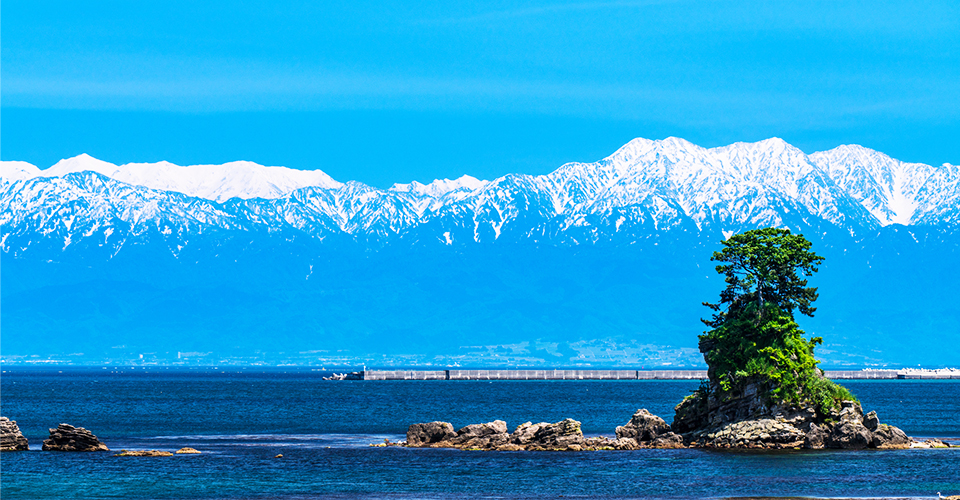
[{"x": 241, "y": 419}]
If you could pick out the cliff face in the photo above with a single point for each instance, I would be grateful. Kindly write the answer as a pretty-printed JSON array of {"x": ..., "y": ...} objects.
[{"x": 749, "y": 420}]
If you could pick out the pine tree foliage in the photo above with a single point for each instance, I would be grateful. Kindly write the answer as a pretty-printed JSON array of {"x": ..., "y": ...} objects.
[
  {"x": 765, "y": 266},
  {"x": 754, "y": 335}
]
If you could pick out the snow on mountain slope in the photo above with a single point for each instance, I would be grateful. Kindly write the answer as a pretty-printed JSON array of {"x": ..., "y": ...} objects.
[
  {"x": 241, "y": 179},
  {"x": 86, "y": 206},
  {"x": 12, "y": 171},
  {"x": 645, "y": 187},
  {"x": 744, "y": 184},
  {"x": 938, "y": 200},
  {"x": 888, "y": 188},
  {"x": 440, "y": 187}
]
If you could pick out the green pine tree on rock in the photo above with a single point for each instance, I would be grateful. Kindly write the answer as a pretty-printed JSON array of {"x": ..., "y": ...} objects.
[
  {"x": 755, "y": 337},
  {"x": 765, "y": 388}
]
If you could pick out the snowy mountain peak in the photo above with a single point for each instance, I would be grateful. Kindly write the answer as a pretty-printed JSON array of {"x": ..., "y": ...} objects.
[
  {"x": 887, "y": 187},
  {"x": 12, "y": 171},
  {"x": 237, "y": 179},
  {"x": 440, "y": 187},
  {"x": 80, "y": 163}
]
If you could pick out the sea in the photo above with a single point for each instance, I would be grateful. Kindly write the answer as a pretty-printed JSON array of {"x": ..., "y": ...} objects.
[{"x": 241, "y": 419}]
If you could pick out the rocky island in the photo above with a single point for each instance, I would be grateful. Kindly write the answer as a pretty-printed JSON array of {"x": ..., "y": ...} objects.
[
  {"x": 764, "y": 388},
  {"x": 69, "y": 438},
  {"x": 11, "y": 439}
]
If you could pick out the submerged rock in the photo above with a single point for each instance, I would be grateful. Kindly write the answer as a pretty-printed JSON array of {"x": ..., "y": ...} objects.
[
  {"x": 929, "y": 443},
  {"x": 144, "y": 453},
  {"x": 11, "y": 439},
  {"x": 69, "y": 438}
]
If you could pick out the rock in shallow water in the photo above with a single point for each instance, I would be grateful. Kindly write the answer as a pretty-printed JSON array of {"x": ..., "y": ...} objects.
[
  {"x": 429, "y": 433},
  {"x": 482, "y": 436},
  {"x": 69, "y": 438},
  {"x": 560, "y": 436},
  {"x": 144, "y": 453},
  {"x": 11, "y": 439},
  {"x": 889, "y": 437},
  {"x": 646, "y": 430}
]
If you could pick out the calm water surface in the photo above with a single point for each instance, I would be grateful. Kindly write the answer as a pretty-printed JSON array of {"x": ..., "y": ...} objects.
[{"x": 241, "y": 419}]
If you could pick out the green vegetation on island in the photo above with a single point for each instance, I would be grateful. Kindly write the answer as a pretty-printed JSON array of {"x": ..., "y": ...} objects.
[{"x": 754, "y": 337}]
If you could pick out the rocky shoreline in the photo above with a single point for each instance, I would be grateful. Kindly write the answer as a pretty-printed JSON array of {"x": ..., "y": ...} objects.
[
  {"x": 644, "y": 430},
  {"x": 786, "y": 429},
  {"x": 763, "y": 428}
]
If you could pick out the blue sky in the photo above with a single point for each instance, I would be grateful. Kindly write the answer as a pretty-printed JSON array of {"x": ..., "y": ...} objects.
[{"x": 386, "y": 92}]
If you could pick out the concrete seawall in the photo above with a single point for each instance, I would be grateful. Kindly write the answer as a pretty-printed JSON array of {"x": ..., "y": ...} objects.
[{"x": 595, "y": 375}]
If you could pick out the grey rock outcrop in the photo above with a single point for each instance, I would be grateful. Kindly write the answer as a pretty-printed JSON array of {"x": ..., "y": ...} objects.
[
  {"x": 752, "y": 433},
  {"x": 816, "y": 437},
  {"x": 430, "y": 433},
  {"x": 746, "y": 421},
  {"x": 871, "y": 421},
  {"x": 11, "y": 439},
  {"x": 889, "y": 437},
  {"x": 849, "y": 432},
  {"x": 69, "y": 438},
  {"x": 646, "y": 430},
  {"x": 565, "y": 435},
  {"x": 482, "y": 436}
]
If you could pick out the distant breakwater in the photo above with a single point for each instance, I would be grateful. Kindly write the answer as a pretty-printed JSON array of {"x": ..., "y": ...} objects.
[{"x": 627, "y": 374}]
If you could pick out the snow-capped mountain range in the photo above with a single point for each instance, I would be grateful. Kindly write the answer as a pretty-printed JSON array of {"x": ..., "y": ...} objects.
[{"x": 645, "y": 187}]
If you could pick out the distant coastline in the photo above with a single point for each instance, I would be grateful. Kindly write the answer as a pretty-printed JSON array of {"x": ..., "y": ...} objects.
[
  {"x": 866, "y": 374},
  {"x": 486, "y": 373}
]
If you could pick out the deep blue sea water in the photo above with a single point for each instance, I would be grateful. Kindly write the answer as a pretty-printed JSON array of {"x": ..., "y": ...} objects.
[{"x": 240, "y": 419}]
